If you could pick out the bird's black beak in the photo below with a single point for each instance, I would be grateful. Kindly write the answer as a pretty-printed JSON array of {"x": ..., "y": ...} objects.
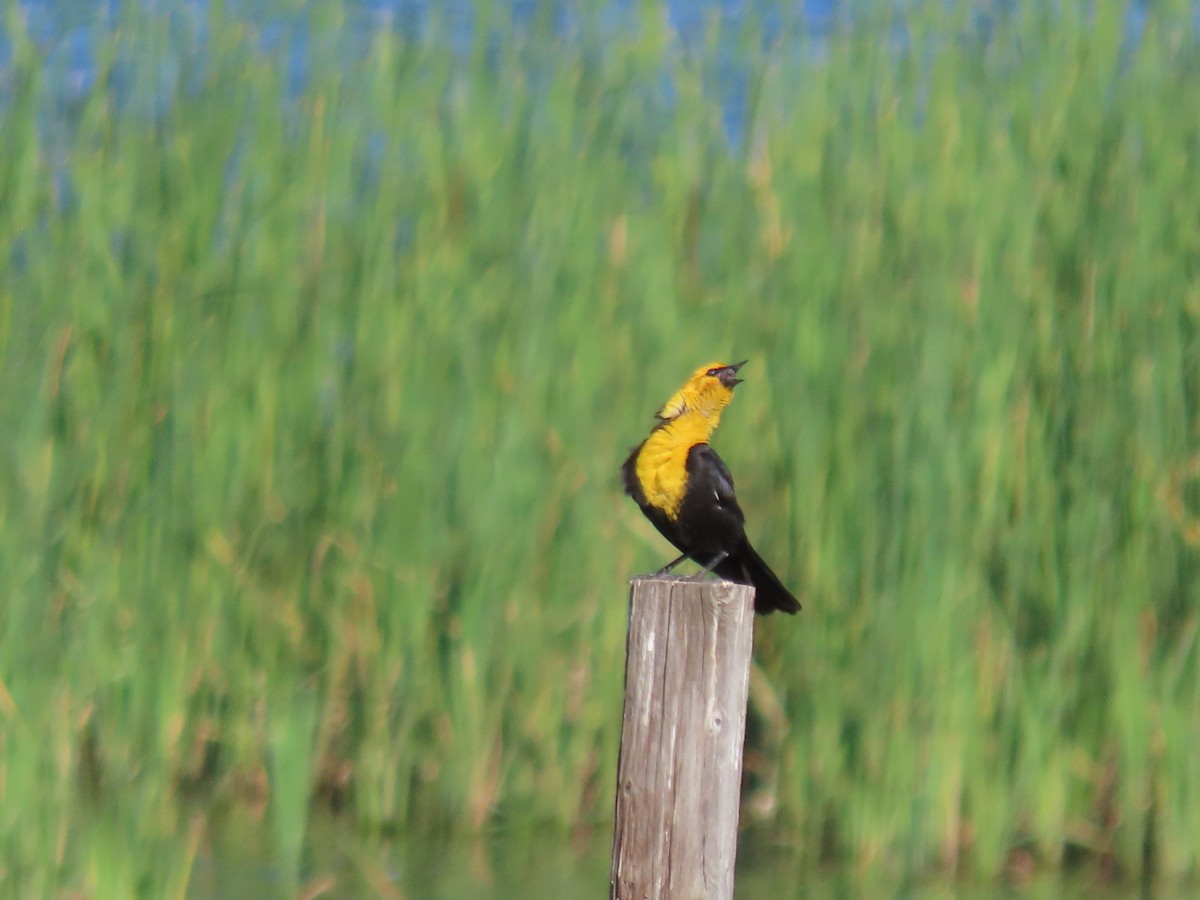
[{"x": 728, "y": 374}]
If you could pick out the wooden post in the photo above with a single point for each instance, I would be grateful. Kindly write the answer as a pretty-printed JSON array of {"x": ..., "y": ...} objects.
[{"x": 687, "y": 667}]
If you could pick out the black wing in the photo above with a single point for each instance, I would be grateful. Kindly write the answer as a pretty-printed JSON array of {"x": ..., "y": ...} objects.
[
  {"x": 719, "y": 523},
  {"x": 710, "y": 514},
  {"x": 706, "y": 470}
]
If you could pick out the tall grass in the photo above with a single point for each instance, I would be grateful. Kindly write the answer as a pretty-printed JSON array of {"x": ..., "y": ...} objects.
[{"x": 314, "y": 399}]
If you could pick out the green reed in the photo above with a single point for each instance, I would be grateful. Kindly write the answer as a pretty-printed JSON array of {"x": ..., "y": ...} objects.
[{"x": 315, "y": 400}]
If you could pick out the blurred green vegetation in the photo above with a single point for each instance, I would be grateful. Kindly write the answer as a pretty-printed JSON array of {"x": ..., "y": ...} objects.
[{"x": 314, "y": 400}]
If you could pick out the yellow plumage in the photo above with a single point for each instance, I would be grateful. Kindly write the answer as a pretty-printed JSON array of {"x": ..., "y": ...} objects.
[{"x": 690, "y": 417}]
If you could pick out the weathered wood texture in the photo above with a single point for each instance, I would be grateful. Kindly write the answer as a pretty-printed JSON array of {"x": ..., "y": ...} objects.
[{"x": 687, "y": 666}]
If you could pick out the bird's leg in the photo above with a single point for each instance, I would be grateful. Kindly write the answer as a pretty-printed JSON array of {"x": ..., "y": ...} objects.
[
  {"x": 672, "y": 564},
  {"x": 708, "y": 569},
  {"x": 716, "y": 561}
]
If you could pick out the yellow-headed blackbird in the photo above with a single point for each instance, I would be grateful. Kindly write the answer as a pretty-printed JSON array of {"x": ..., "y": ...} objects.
[{"x": 685, "y": 489}]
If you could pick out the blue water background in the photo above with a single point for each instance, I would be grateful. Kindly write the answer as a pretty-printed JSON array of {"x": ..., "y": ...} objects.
[{"x": 69, "y": 37}]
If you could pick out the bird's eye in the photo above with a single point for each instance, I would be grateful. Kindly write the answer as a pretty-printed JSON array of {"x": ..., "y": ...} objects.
[{"x": 712, "y": 372}]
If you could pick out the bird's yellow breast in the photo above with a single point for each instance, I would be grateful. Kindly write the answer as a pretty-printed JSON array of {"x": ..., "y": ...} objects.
[{"x": 662, "y": 462}]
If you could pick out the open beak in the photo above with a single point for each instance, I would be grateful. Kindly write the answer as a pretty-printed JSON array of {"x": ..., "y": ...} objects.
[{"x": 728, "y": 375}]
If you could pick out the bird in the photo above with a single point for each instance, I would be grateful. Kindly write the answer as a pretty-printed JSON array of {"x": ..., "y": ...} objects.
[{"x": 686, "y": 491}]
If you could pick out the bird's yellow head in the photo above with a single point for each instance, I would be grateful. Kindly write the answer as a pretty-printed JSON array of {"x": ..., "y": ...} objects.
[{"x": 705, "y": 393}]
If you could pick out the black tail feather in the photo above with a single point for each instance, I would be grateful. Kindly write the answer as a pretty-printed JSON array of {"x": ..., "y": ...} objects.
[{"x": 747, "y": 567}]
